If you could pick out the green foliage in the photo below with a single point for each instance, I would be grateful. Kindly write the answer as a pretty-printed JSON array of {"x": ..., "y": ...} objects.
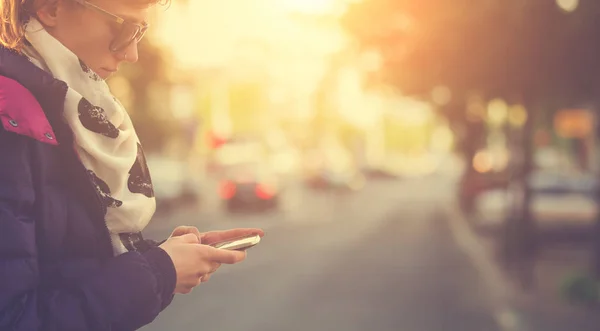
[{"x": 580, "y": 288}]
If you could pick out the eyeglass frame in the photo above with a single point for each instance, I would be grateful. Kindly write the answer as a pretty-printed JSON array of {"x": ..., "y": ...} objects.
[{"x": 141, "y": 28}]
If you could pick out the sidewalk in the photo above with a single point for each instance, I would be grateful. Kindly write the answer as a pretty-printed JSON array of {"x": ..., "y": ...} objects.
[
  {"x": 546, "y": 305},
  {"x": 542, "y": 307}
]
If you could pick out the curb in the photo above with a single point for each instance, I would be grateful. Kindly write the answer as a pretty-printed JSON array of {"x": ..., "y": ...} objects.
[{"x": 502, "y": 291}]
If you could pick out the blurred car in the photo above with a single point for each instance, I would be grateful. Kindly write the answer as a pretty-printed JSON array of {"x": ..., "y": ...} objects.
[
  {"x": 174, "y": 185},
  {"x": 329, "y": 179},
  {"x": 562, "y": 198},
  {"x": 379, "y": 174},
  {"x": 562, "y": 203},
  {"x": 249, "y": 186},
  {"x": 474, "y": 184}
]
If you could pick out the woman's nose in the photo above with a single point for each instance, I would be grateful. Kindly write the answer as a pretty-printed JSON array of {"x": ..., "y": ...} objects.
[{"x": 130, "y": 53}]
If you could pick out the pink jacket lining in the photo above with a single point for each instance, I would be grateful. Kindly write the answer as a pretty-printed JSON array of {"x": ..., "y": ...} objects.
[{"x": 21, "y": 113}]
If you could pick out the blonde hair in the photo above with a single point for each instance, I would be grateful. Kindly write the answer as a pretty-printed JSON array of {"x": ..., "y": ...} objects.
[{"x": 13, "y": 16}]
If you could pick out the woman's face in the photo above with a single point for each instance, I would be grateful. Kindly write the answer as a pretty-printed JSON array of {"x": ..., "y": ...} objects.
[{"x": 89, "y": 33}]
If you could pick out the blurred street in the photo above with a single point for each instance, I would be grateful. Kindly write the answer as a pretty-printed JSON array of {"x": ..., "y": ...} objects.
[
  {"x": 415, "y": 165},
  {"x": 381, "y": 259},
  {"x": 334, "y": 125}
]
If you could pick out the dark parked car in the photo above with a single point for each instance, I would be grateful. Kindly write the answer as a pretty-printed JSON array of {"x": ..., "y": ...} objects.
[{"x": 249, "y": 187}]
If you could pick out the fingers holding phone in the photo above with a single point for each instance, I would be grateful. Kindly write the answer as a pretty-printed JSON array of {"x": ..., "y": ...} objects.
[
  {"x": 206, "y": 277},
  {"x": 223, "y": 256},
  {"x": 239, "y": 244},
  {"x": 193, "y": 261}
]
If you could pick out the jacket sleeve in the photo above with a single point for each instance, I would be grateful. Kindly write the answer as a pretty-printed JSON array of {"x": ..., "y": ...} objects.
[
  {"x": 150, "y": 244},
  {"x": 127, "y": 292}
]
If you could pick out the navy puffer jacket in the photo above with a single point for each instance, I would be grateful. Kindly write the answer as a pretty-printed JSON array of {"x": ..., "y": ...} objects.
[{"x": 57, "y": 269}]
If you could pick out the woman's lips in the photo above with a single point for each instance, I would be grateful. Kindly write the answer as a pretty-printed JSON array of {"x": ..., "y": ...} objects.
[{"x": 106, "y": 72}]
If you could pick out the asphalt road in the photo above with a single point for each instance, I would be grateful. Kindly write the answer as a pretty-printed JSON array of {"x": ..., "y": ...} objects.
[{"x": 383, "y": 258}]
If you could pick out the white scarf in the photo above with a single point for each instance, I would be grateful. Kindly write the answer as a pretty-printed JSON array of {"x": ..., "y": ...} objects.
[{"x": 105, "y": 139}]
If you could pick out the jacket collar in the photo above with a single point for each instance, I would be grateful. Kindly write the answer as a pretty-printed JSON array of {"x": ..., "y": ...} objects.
[
  {"x": 22, "y": 114},
  {"x": 48, "y": 91}
]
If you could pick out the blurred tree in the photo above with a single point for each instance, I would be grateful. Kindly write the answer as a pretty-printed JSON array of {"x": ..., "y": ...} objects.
[
  {"x": 325, "y": 116},
  {"x": 527, "y": 52},
  {"x": 150, "y": 104}
]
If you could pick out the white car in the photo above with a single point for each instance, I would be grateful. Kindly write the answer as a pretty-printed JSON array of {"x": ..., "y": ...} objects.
[
  {"x": 174, "y": 184},
  {"x": 558, "y": 199}
]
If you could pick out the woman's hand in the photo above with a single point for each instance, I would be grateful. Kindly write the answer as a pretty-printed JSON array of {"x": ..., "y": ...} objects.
[
  {"x": 208, "y": 238},
  {"x": 194, "y": 261},
  {"x": 184, "y": 229}
]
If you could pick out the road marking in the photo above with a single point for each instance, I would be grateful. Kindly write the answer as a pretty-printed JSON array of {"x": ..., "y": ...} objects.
[
  {"x": 501, "y": 288},
  {"x": 507, "y": 319}
]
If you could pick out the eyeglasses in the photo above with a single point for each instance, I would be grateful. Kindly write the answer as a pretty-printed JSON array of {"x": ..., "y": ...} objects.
[{"x": 130, "y": 31}]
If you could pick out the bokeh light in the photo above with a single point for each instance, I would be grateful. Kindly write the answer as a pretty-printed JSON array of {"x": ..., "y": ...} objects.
[
  {"x": 483, "y": 161},
  {"x": 517, "y": 115},
  {"x": 441, "y": 95},
  {"x": 497, "y": 112},
  {"x": 568, "y": 5}
]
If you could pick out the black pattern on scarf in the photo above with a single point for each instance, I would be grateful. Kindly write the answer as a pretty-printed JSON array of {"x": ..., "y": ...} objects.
[
  {"x": 139, "y": 175},
  {"x": 91, "y": 74},
  {"x": 94, "y": 119},
  {"x": 104, "y": 191}
]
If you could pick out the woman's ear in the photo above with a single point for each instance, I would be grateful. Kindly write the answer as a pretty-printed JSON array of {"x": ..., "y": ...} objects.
[{"x": 48, "y": 13}]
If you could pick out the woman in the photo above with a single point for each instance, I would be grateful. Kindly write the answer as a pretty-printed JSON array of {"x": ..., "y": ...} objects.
[{"x": 75, "y": 191}]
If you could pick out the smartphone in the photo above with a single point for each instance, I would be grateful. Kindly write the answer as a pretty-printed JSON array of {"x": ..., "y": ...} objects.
[{"x": 238, "y": 244}]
